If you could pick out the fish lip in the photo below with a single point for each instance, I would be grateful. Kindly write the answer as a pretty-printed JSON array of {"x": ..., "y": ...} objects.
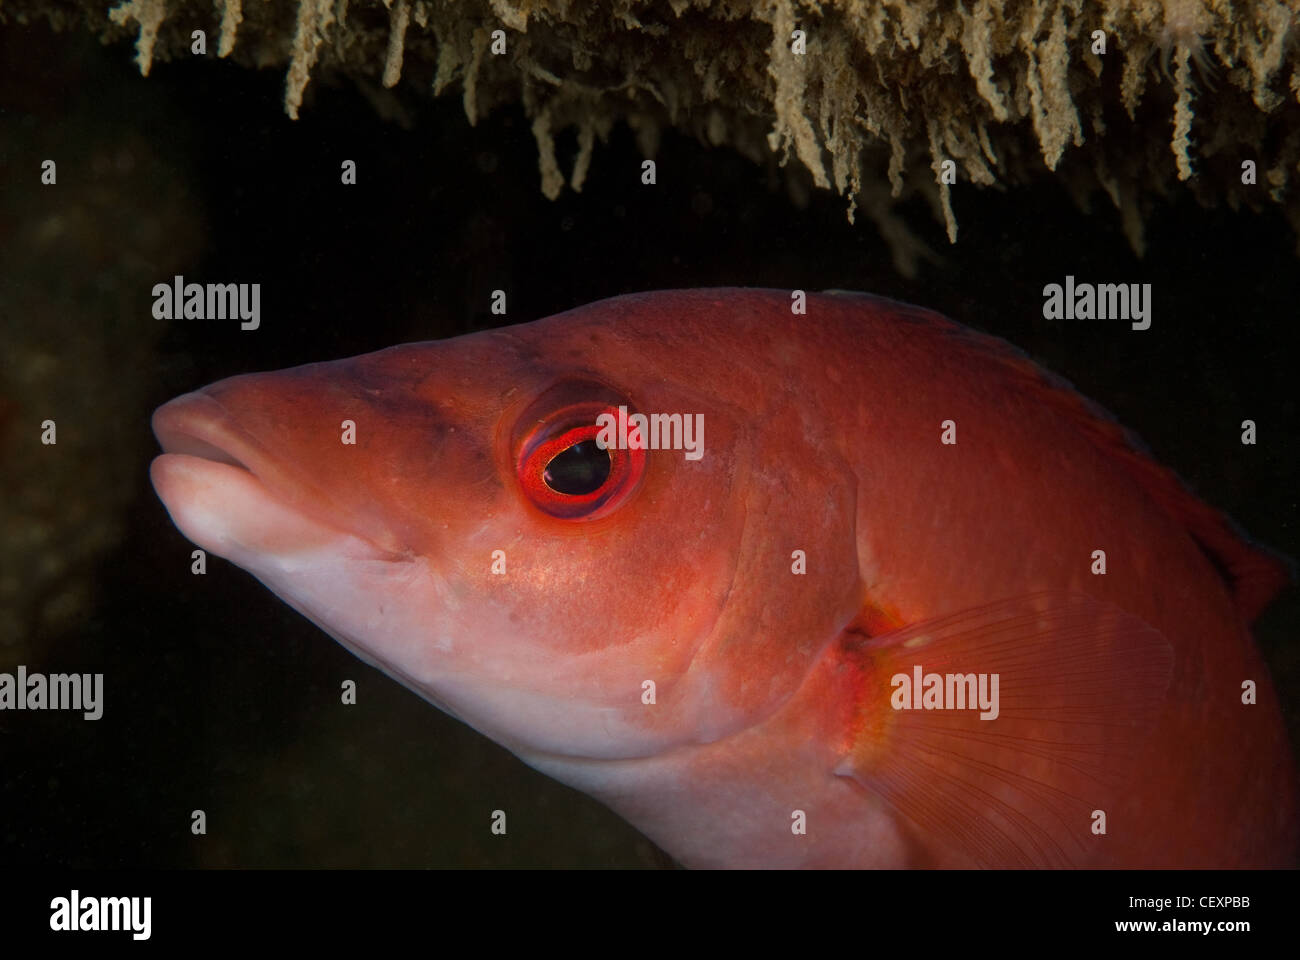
[{"x": 198, "y": 425}]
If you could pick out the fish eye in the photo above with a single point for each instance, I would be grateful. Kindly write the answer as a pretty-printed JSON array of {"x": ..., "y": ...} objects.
[
  {"x": 579, "y": 470},
  {"x": 566, "y": 472}
]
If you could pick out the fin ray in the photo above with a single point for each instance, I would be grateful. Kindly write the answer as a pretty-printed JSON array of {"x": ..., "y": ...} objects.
[{"x": 1079, "y": 685}]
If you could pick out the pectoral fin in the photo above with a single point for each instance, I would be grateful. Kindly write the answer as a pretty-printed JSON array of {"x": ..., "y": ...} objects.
[{"x": 1079, "y": 685}]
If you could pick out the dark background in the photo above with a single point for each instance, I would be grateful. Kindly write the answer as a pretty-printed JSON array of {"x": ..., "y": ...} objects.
[{"x": 219, "y": 697}]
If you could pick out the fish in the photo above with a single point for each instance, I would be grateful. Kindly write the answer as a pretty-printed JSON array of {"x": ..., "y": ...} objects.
[{"x": 915, "y": 603}]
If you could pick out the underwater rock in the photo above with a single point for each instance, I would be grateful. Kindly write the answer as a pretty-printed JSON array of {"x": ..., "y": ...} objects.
[
  {"x": 76, "y": 253},
  {"x": 875, "y": 100}
]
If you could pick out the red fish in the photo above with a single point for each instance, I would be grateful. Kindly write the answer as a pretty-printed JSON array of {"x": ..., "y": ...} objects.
[{"x": 914, "y": 603}]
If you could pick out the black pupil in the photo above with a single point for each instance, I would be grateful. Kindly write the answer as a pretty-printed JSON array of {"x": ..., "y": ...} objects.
[{"x": 578, "y": 470}]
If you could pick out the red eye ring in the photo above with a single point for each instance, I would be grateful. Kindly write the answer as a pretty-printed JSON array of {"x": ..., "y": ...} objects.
[{"x": 561, "y": 431}]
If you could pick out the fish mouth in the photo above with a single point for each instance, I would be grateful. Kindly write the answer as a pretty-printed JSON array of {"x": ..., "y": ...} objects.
[
  {"x": 229, "y": 495},
  {"x": 196, "y": 425}
]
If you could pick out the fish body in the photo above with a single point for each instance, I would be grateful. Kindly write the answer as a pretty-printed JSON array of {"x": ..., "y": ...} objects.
[{"x": 713, "y": 647}]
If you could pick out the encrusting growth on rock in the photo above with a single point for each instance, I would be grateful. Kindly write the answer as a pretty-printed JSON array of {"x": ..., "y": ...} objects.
[
  {"x": 880, "y": 95},
  {"x": 396, "y": 42},
  {"x": 314, "y": 18},
  {"x": 231, "y": 15},
  {"x": 1183, "y": 114},
  {"x": 149, "y": 14}
]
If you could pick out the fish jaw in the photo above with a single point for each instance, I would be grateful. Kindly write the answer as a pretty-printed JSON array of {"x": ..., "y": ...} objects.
[
  {"x": 226, "y": 510},
  {"x": 220, "y": 488}
]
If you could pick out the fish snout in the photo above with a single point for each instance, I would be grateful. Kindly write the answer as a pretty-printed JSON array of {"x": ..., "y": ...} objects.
[{"x": 254, "y": 481}]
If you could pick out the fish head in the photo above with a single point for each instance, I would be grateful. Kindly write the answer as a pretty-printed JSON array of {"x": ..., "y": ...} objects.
[{"x": 444, "y": 511}]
